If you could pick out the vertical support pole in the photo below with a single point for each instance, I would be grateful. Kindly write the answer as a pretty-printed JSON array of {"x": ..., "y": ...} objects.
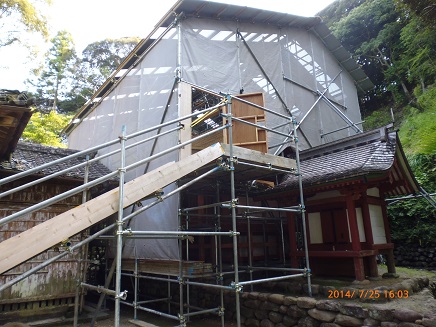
[
  {"x": 122, "y": 172},
  {"x": 219, "y": 251},
  {"x": 135, "y": 304},
  {"x": 250, "y": 255},
  {"x": 265, "y": 241},
  {"x": 233, "y": 209},
  {"x": 303, "y": 210},
  {"x": 81, "y": 266},
  {"x": 181, "y": 296},
  {"x": 282, "y": 232}
]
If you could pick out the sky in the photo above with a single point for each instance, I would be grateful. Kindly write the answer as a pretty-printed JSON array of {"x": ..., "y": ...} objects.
[{"x": 89, "y": 21}]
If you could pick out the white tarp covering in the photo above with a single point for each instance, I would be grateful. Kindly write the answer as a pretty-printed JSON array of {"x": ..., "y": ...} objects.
[{"x": 214, "y": 57}]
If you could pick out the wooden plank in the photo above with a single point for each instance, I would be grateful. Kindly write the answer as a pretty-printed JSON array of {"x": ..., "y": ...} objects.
[
  {"x": 259, "y": 157},
  {"x": 27, "y": 244}
]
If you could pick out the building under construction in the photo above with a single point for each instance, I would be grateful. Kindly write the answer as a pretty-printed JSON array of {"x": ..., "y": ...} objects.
[{"x": 226, "y": 151}]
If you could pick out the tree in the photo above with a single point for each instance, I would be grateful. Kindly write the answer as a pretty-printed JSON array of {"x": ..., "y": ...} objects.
[
  {"x": 45, "y": 128},
  {"x": 419, "y": 43},
  {"x": 425, "y": 9},
  {"x": 20, "y": 15},
  {"x": 100, "y": 59},
  {"x": 55, "y": 80},
  {"x": 371, "y": 32},
  {"x": 412, "y": 221}
]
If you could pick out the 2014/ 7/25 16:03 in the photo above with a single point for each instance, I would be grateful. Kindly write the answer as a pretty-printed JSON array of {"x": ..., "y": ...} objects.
[{"x": 368, "y": 294}]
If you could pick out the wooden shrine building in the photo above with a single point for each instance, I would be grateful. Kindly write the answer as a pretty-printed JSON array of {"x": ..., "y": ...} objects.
[{"x": 345, "y": 185}]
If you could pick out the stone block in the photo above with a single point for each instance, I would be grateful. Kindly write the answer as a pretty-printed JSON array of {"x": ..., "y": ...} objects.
[
  {"x": 354, "y": 310},
  {"x": 348, "y": 321},
  {"x": 328, "y": 305},
  {"x": 429, "y": 322},
  {"x": 306, "y": 302},
  {"x": 321, "y": 315},
  {"x": 388, "y": 324},
  {"x": 296, "y": 312},
  {"x": 252, "y": 323},
  {"x": 289, "y": 300},
  {"x": 371, "y": 322},
  {"x": 266, "y": 323},
  {"x": 381, "y": 314},
  {"x": 277, "y": 298},
  {"x": 308, "y": 322},
  {"x": 275, "y": 317},
  {"x": 407, "y": 315},
  {"x": 289, "y": 321},
  {"x": 269, "y": 306},
  {"x": 261, "y": 314}
]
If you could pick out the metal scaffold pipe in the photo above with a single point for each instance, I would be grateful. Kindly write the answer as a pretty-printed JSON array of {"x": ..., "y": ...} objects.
[{"x": 119, "y": 252}]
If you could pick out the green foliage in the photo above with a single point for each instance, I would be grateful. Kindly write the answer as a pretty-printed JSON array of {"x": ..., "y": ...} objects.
[
  {"x": 20, "y": 15},
  {"x": 377, "y": 119},
  {"x": 45, "y": 128},
  {"x": 425, "y": 9},
  {"x": 418, "y": 130},
  {"x": 414, "y": 220}
]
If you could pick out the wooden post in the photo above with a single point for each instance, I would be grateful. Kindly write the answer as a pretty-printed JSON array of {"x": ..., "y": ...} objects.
[
  {"x": 359, "y": 270},
  {"x": 372, "y": 260},
  {"x": 292, "y": 240},
  {"x": 352, "y": 220},
  {"x": 185, "y": 108}
]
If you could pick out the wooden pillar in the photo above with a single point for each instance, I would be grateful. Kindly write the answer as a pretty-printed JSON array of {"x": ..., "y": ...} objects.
[
  {"x": 386, "y": 222},
  {"x": 390, "y": 262},
  {"x": 372, "y": 260},
  {"x": 359, "y": 270},
  {"x": 352, "y": 220},
  {"x": 292, "y": 240}
]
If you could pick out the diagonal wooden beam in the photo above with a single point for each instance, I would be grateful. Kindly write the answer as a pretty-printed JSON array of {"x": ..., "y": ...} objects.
[{"x": 30, "y": 243}]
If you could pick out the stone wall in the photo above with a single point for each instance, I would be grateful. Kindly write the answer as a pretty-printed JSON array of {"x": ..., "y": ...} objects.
[
  {"x": 262, "y": 309},
  {"x": 269, "y": 308},
  {"x": 416, "y": 256}
]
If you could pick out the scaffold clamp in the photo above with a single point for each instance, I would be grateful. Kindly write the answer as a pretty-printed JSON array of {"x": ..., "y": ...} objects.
[
  {"x": 181, "y": 280},
  {"x": 122, "y": 295},
  {"x": 307, "y": 272},
  {"x": 219, "y": 277},
  {"x": 127, "y": 232},
  {"x": 237, "y": 287},
  {"x": 182, "y": 319}
]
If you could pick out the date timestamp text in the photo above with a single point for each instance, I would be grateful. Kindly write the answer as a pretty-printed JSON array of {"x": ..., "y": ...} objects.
[{"x": 368, "y": 294}]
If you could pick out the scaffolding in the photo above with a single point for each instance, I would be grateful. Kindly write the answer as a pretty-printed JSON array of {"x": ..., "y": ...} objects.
[{"x": 223, "y": 175}]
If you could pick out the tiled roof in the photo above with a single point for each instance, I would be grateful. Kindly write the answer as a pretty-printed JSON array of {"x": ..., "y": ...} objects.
[
  {"x": 360, "y": 155},
  {"x": 29, "y": 155}
]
